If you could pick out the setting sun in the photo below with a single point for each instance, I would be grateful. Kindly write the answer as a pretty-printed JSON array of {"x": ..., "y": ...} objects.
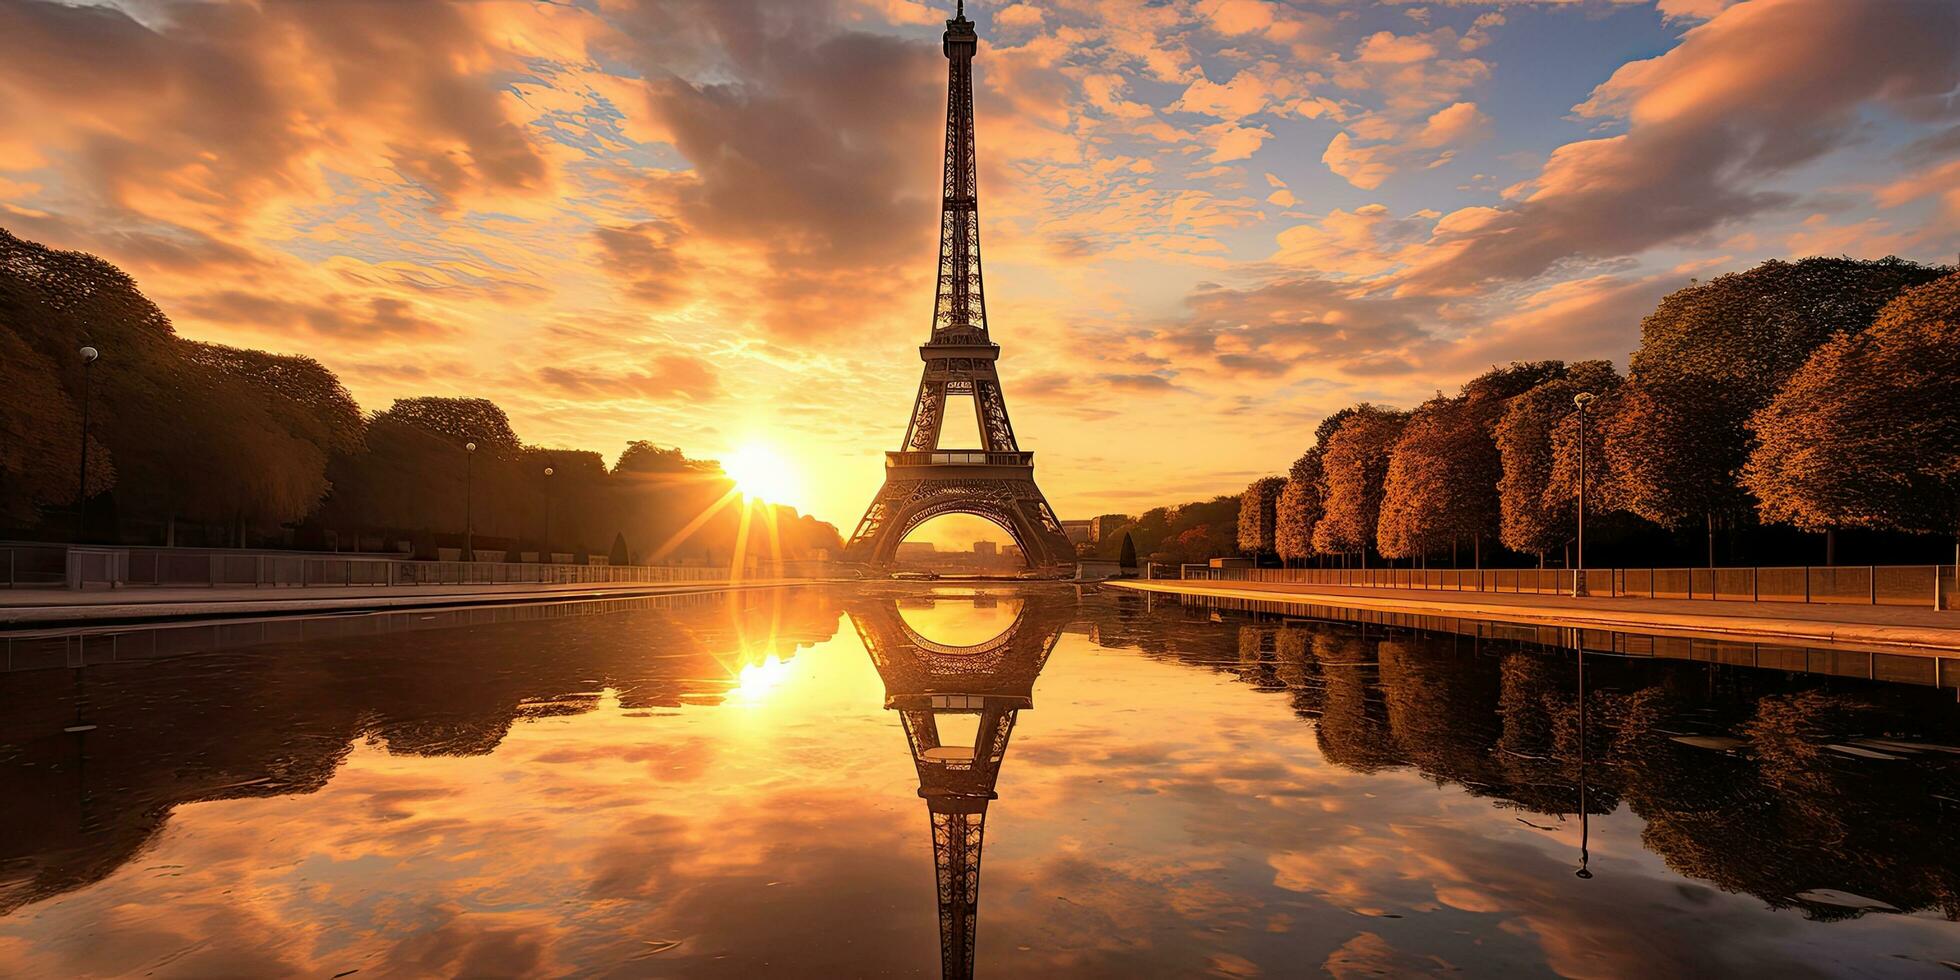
[{"x": 760, "y": 472}]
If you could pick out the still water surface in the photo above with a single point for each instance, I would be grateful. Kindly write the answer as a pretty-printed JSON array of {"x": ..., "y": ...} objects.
[{"x": 803, "y": 782}]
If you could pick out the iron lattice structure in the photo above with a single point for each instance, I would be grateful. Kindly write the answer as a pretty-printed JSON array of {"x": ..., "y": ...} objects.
[
  {"x": 994, "y": 481},
  {"x": 924, "y": 682}
]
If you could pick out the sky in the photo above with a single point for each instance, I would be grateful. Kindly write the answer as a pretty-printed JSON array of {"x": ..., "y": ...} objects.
[{"x": 1206, "y": 223}]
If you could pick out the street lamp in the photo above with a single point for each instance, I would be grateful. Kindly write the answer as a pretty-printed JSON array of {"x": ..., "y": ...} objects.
[
  {"x": 1581, "y": 400},
  {"x": 469, "y": 502},
  {"x": 546, "y": 557},
  {"x": 89, "y": 354}
]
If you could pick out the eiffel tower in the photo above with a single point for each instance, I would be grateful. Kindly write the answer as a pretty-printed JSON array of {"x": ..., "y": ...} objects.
[
  {"x": 926, "y": 681},
  {"x": 924, "y": 480}
]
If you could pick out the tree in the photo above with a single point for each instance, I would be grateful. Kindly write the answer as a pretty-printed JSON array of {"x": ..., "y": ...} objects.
[
  {"x": 1864, "y": 434},
  {"x": 1257, "y": 517},
  {"x": 459, "y": 421},
  {"x": 1444, "y": 470},
  {"x": 1355, "y": 467},
  {"x": 1536, "y": 510},
  {"x": 40, "y": 437},
  {"x": 1128, "y": 557},
  {"x": 1294, "y": 516},
  {"x": 301, "y": 394},
  {"x": 1300, "y": 505},
  {"x": 1715, "y": 353},
  {"x": 642, "y": 456},
  {"x": 619, "y": 555}
]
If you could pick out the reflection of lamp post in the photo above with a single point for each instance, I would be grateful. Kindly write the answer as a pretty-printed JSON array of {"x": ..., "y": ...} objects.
[
  {"x": 1581, "y": 399},
  {"x": 89, "y": 354},
  {"x": 546, "y": 557},
  {"x": 469, "y": 502},
  {"x": 1585, "y": 818}
]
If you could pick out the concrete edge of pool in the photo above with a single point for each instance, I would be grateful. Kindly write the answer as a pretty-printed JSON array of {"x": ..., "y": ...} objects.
[
  {"x": 1766, "y": 623},
  {"x": 103, "y": 608}
]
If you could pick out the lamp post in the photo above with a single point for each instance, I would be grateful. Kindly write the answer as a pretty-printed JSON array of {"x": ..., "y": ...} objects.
[
  {"x": 546, "y": 557},
  {"x": 469, "y": 502},
  {"x": 89, "y": 354},
  {"x": 1581, "y": 400}
]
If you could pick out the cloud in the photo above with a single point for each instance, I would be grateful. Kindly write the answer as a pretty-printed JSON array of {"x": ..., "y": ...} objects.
[
  {"x": 1018, "y": 15},
  {"x": 220, "y": 106},
  {"x": 644, "y": 257},
  {"x": 1738, "y": 101},
  {"x": 667, "y": 376},
  {"x": 1367, "y": 167},
  {"x": 1249, "y": 91},
  {"x": 806, "y": 159},
  {"x": 1367, "y": 241},
  {"x": 341, "y": 316},
  {"x": 1284, "y": 328},
  {"x": 1364, "y": 167},
  {"x": 1596, "y": 317},
  {"x": 1230, "y": 141}
]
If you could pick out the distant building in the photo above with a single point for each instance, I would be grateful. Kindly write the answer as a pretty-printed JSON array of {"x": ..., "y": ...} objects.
[
  {"x": 986, "y": 549},
  {"x": 915, "y": 551},
  {"x": 1078, "y": 531},
  {"x": 1104, "y": 527},
  {"x": 1011, "y": 552}
]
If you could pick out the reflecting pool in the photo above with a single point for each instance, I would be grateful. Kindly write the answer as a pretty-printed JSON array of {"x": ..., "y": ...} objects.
[{"x": 806, "y": 781}]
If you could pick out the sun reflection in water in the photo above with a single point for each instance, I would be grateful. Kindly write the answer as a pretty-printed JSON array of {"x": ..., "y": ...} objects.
[{"x": 756, "y": 681}]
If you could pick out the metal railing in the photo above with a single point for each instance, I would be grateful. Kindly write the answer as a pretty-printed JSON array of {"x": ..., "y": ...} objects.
[
  {"x": 1877, "y": 585},
  {"x": 964, "y": 457},
  {"x": 77, "y": 567}
]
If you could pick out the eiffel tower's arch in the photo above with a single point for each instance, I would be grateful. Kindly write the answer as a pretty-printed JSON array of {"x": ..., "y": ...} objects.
[
  {"x": 923, "y": 480},
  {"x": 1003, "y": 504}
]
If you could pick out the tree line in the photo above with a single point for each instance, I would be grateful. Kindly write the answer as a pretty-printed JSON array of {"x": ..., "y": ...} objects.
[
  {"x": 1191, "y": 532},
  {"x": 200, "y": 443},
  {"x": 1815, "y": 395}
]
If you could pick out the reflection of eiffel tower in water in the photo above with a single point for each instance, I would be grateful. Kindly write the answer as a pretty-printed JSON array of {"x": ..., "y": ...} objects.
[{"x": 932, "y": 684}]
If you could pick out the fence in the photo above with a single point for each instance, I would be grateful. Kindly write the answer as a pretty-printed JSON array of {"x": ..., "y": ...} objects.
[
  {"x": 1877, "y": 585},
  {"x": 55, "y": 566}
]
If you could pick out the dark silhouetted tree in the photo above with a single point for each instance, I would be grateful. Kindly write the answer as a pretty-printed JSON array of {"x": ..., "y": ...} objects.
[
  {"x": 459, "y": 421},
  {"x": 1128, "y": 557},
  {"x": 40, "y": 437}
]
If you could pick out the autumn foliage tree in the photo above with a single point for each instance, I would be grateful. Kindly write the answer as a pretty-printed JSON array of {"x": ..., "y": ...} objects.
[
  {"x": 1301, "y": 501},
  {"x": 1865, "y": 433},
  {"x": 1444, "y": 471},
  {"x": 1295, "y": 512},
  {"x": 1536, "y": 509},
  {"x": 1257, "y": 515},
  {"x": 1715, "y": 353},
  {"x": 1355, "y": 468}
]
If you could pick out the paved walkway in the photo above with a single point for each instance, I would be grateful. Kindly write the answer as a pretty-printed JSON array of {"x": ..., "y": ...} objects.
[
  {"x": 40, "y": 608},
  {"x": 1906, "y": 627}
]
